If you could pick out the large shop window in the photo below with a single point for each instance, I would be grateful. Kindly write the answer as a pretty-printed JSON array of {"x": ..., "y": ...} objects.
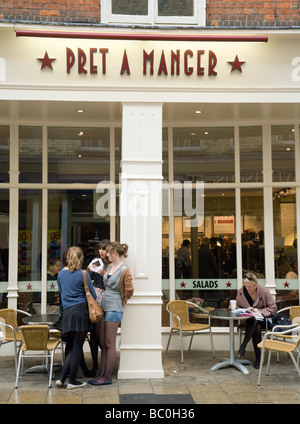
[
  {"x": 251, "y": 158},
  {"x": 30, "y": 248},
  {"x": 204, "y": 154},
  {"x": 72, "y": 220},
  {"x": 283, "y": 153},
  {"x": 4, "y": 153},
  {"x": 4, "y": 219},
  {"x": 252, "y": 225},
  {"x": 30, "y": 155},
  {"x": 205, "y": 256},
  {"x": 78, "y": 155},
  {"x": 285, "y": 246}
]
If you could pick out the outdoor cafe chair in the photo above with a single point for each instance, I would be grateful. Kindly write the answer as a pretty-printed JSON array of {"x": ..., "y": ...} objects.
[
  {"x": 179, "y": 311},
  {"x": 36, "y": 343},
  {"x": 10, "y": 332},
  {"x": 286, "y": 341}
]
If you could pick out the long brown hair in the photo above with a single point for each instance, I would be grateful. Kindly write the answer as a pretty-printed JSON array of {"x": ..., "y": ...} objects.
[{"x": 120, "y": 248}]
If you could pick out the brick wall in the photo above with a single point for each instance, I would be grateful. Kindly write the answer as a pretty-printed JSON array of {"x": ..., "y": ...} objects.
[
  {"x": 251, "y": 14},
  {"x": 226, "y": 13},
  {"x": 58, "y": 11}
]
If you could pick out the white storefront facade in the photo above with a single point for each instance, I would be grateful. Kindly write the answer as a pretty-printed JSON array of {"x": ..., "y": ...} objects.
[{"x": 94, "y": 124}]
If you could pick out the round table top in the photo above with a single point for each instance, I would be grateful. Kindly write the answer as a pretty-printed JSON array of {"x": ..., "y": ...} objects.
[
  {"x": 225, "y": 313},
  {"x": 48, "y": 319}
]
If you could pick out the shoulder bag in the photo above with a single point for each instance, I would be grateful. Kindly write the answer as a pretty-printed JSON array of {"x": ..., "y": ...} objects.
[{"x": 95, "y": 310}]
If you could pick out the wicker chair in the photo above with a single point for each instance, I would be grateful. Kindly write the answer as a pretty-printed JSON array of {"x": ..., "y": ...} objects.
[
  {"x": 9, "y": 329},
  {"x": 272, "y": 341},
  {"x": 179, "y": 311},
  {"x": 36, "y": 339},
  {"x": 293, "y": 312}
]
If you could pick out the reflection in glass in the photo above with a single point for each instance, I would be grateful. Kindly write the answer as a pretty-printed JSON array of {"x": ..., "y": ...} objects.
[
  {"x": 129, "y": 7},
  {"x": 175, "y": 7},
  {"x": 78, "y": 155},
  {"x": 252, "y": 224},
  {"x": 118, "y": 153},
  {"x": 285, "y": 246},
  {"x": 204, "y": 154},
  {"x": 30, "y": 154},
  {"x": 4, "y": 224},
  {"x": 29, "y": 247},
  {"x": 4, "y": 153},
  {"x": 165, "y": 271},
  {"x": 165, "y": 152},
  {"x": 212, "y": 251},
  {"x": 251, "y": 164},
  {"x": 283, "y": 153},
  {"x": 72, "y": 220}
]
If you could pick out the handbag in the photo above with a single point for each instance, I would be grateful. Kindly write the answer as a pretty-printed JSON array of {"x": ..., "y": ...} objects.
[{"x": 95, "y": 310}]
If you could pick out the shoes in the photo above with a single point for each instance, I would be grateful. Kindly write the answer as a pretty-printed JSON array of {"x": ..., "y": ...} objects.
[
  {"x": 256, "y": 364},
  {"x": 76, "y": 385},
  {"x": 95, "y": 383},
  {"x": 90, "y": 373},
  {"x": 59, "y": 383},
  {"x": 241, "y": 351}
]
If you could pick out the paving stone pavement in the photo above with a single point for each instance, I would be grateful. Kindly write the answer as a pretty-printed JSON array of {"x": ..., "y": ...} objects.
[{"x": 190, "y": 383}]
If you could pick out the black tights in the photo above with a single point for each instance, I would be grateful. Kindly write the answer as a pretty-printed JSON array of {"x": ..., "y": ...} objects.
[
  {"x": 74, "y": 355},
  {"x": 253, "y": 331}
]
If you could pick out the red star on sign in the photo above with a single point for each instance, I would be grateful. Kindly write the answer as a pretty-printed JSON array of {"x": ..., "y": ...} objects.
[
  {"x": 182, "y": 284},
  {"x": 286, "y": 284},
  {"x": 52, "y": 286},
  {"x": 228, "y": 284},
  {"x": 236, "y": 64},
  {"x": 29, "y": 287},
  {"x": 46, "y": 61}
]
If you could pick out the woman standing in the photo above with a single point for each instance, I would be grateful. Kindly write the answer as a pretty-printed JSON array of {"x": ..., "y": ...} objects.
[
  {"x": 75, "y": 315},
  {"x": 118, "y": 289},
  {"x": 97, "y": 268},
  {"x": 257, "y": 299}
]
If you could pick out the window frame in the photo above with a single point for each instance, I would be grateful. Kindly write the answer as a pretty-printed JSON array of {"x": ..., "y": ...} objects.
[{"x": 152, "y": 18}]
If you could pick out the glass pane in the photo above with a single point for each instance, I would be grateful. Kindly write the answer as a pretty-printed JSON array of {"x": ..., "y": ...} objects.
[
  {"x": 78, "y": 155},
  {"x": 285, "y": 247},
  {"x": 251, "y": 162},
  {"x": 29, "y": 255},
  {"x": 129, "y": 7},
  {"x": 165, "y": 272},
  {"x": 4, "y": 217},
  {"x": 252, "y": 224},
  {"x": 204, "y": 154},
  {"x": 283, "y": 153},
  {"x": 205, "y": 257},
  {"x": 165, "y": 154},
  {"x": 4, "y": 153},
  {"x": 118, "y": 153},
  {"x": 30, "y": 154},
  {"x": 175, "y": 7},
  {"x": 72, "y": 220}
]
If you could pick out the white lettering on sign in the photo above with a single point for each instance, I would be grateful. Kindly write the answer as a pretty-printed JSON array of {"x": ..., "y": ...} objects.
[{"x": 296, "y": 71}]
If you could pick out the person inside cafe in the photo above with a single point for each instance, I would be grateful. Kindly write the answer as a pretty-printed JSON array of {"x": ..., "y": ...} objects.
[
  {"x": 253, "y": 296},
  {"x": 183, "y": 262}
]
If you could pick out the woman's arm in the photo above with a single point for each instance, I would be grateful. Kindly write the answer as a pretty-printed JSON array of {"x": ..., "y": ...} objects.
[{"x": 126, "y": 285}]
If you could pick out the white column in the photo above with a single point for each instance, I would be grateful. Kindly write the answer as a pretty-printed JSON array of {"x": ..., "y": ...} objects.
[{"x": 141, "y": 229}]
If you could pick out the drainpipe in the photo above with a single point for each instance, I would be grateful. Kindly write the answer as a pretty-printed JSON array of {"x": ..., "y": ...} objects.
[{"x": 275, "y": 13}]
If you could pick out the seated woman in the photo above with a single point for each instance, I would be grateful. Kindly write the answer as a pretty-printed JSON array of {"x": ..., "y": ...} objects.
[{"x": 252, "y": 296}]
